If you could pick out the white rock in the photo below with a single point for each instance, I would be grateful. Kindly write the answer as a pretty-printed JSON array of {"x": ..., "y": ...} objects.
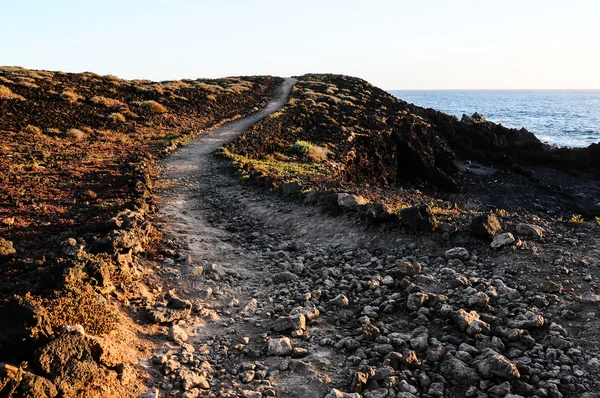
[{"x": 530, "y": 230}]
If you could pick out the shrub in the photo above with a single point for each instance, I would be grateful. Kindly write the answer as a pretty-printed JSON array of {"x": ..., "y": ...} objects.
[
  {"x": 69, "y": 96},
  {"x": 153, "y": 106},
  {"x": 302, "y": 147},
  {"x": 5, "y": 92},
  {"x": 108, "y": 102},
  {"x": 116, "y": 117},
  {"x": 34, "y": 130},
  {"x": 75, "y": 134},
  {"x": 82, "y": 306},
  {"x": 315, "y": 153}
]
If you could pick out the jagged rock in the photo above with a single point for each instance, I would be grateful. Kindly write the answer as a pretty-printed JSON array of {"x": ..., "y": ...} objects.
[
  {"x": 168, "y": 315},
  {"x": 177, "y": 334},
  {"x": 175, "y": 302},
  {"x": 377, "y": 212},
  {"x": 280, "y": 347},
  {"x": 68, "y": 361},
  {"x": 490, "y": 364},
  {"x": 349, "y": 201},
  {"x": 290, "y": 188},
  {"x": 284, "y": 277},
  {"x": 7, "y": 250},
  {"x": 294, "y": 322},
  {"x": 334, "y": 393},
  {"x": 419, "y": 217},
  {"x": 463, "y": 319},
  {"x": 71, "y": 247},
  {"x": 24, "y": 326},
  {"x": 406, "y": 268},
  {"x": 528, "y": 320},
  {"x": 250, "y": 308},
  {"x": 416, "y": 301},
  {"x": 530, "y": 230},
  {"x": 33, "y": 386},
  {"x": 502, "y": 240},
  {"x": 309, "y": 310},
  {"x": 479, "y": 300},
  {"x": 459, "y": 253},
  {"x": 190, "y": 379},
  {"x": 105, "y": 351},
  {"x": 456, "y": 370},
  {"x": 485, "y": 226},
  {"x": 340, "y": 300}
]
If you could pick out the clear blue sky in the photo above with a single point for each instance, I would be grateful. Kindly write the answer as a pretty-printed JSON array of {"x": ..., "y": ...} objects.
[{"x": 397, "y": 44}]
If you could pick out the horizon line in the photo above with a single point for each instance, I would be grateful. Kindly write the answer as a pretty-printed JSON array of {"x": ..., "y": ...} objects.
[{"x": 493, "y": 89}]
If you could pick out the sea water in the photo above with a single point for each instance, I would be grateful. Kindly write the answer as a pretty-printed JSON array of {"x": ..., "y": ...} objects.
[{"x": 560, "y": 117}]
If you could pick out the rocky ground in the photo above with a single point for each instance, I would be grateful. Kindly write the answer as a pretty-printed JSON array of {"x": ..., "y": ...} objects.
[
  {"x": 267, "y": 296},
  {"x": 257, "y": 293}
]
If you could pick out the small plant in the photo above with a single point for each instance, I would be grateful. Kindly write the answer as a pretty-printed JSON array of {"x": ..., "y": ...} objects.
[
  {"x": 69, "y": 96},
  {"x": 302, "y": 147},
  {"x": 153, "y": 106},
  {"x": 116, "y": 117},
  {"x": 576, "y": 219},
  {"x": 597, "y": 219},
  {"x": 75, "y": 134}
]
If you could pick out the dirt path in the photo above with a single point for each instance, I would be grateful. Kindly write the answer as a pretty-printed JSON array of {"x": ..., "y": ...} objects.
[
  {"x": 289, "y": 301},
  {"x": 212, "y": 219}
]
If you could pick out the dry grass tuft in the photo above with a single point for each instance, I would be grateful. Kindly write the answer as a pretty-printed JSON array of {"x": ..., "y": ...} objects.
[
  {"x": 69, "y": 96},
  {"x": 153, "y": 106},
  {"x": 116, "y": 117},
  {"x": 75, "y": 134},
  {"x": 108, "y": 102}
]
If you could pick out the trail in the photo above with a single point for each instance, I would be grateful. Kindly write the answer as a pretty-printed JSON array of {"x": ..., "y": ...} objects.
[{"x": 251, "y": 237}]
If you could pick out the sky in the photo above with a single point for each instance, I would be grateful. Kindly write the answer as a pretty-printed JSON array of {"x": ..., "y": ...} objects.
[{"x": 417, "y": 44}]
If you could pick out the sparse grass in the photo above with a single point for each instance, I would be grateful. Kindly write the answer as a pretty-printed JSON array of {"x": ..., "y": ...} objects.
[
  {"x": 153, "y": 106},
  {"x": 69, "y": 96},
  {"x": 279, "y": 170},
  {"x": 108, "y": 102}
]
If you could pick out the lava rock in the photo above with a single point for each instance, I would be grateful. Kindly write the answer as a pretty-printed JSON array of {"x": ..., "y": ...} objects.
[
  {"x": 485, "y": 226},
  {"x": 419, "y": 217}
]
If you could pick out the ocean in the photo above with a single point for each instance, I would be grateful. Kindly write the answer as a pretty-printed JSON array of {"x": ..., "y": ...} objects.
[{"x": 564, "y": 118}]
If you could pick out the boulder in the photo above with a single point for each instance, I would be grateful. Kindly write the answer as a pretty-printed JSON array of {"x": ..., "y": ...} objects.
[
  {"x": 349, "y": 201},
  {"x": 459, "y": 253},
  {"x": 485, "y": 226},
  {"x": 33, "y": 386},
  {"x": 68, "y": 361},
  {"x": 530, "y": 230},
  {"x": 502, "y": 240},
  {"x": 490, "y": 365},
  {"x": 24, "y": 327},
  {"x": 419, "y": 217},
  {"x": 456, "y": 370},
  {"x": 280, "y": 347}
]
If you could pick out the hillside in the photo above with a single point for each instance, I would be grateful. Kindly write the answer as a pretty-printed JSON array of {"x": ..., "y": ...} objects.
[
  {"x": 78, "y": 156},
  {"x": 357, "y": 137}
]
